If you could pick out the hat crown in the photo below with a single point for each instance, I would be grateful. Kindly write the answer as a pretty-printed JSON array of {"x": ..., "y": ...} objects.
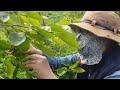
[{"x": 109, "y": 18}]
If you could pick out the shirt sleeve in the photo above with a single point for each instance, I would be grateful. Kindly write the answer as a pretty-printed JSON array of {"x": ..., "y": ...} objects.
[
  {"x": 57, "y": 61},
  {"x": 115, "y": 75}
]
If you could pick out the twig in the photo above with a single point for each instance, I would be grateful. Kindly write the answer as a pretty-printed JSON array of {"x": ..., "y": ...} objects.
[{"x": 13, "y": 25}]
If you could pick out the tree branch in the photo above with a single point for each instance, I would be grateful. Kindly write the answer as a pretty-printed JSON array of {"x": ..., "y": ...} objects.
[{"x": 13, "y": 25}]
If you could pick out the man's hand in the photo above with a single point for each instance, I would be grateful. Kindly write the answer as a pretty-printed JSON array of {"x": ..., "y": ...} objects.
[
  {"x": 40, "y": 65},
  {"x": 33, "y": 50}
]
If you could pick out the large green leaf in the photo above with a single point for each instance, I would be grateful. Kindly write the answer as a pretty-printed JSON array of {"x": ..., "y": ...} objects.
[
  {"x": 61, "y": 71},
  {"x": 64, "y": 35},
  {"x": 12, "y": 58},
  {"x": 57, "y": 40},
  {"x": 78, "y": 70},
  {"x": 45, "y": 33},
  {"x": 23, "y": 19},
  {"x": 39, "y": 37},
  {"x": 50, "y": 35},
  {"x": 75, "y": 65},
  {"x": 16, "y": 38},
  {"x": 34, "y": 22},
  {"x": 47, "y": 41},
  {"x": 34, "y": 15},
  {"x": 10, "y": 70}
]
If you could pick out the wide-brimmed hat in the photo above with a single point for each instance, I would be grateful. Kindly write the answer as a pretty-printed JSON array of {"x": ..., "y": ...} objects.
[{"x": 101, "y": 23}]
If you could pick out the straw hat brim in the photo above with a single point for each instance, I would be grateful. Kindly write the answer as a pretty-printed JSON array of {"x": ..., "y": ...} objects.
[{"x": 97, "y": 31}]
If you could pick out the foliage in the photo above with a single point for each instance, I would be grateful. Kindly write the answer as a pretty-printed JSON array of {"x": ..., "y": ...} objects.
[
  {"x": 42, "y": 29},
  {"x": 69, "y": 71}
]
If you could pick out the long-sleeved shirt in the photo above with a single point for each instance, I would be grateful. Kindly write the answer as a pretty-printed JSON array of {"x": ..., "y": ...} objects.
[{"x": 57, "y": 63}]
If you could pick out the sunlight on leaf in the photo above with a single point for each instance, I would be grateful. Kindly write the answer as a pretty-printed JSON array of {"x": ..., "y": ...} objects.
[{"x": 16, "y": 38}]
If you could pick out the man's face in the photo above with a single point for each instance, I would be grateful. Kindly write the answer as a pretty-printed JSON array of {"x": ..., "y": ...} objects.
[
  {"x": 83, "y": 38},
  {"x": 90, "y": 47}
]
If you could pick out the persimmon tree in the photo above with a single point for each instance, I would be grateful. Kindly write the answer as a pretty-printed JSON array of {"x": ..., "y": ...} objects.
[{"x": 19, "y": 30}]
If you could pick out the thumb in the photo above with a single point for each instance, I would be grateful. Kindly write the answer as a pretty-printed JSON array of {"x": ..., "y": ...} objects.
[
  {"x": 31, "y": 50},
  {"x": 31, "y": 46}
]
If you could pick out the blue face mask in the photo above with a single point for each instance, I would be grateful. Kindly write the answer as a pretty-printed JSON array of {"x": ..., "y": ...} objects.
[{"x": 90, "y": 48}]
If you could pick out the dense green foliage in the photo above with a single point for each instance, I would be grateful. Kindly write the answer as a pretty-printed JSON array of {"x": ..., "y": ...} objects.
[{"x": 45, "y": 30}]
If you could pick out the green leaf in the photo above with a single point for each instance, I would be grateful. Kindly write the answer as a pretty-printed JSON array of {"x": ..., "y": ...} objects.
[
  {"x": 4, "y": 16},
  {"x": 16, "y": 38},
  {"x": 44, "y": 48},
  {"x": 75, "y": 76},
  {"x": 1, "y": 77},
  {"x": 10, "y": 21},
  {"x": 20, "y": 50},
  {"x": 3, "y": 35},
  {"x": 23, "y": 19},
  {"x": 64, "y": 76},
  {"x": 71, "y": 75},
  {"x": 10, "y": 70},
  {"x": 45, "y": 33},
  {"x": 14, "y": 17},
  {"x": 50, "y": 35},
  {"x": 61, "y": 71},
  {"x": 15, "y": 72},
  {"x": 39, "y": 38},
  {"x": 34, "y": 22},
  {"x": 4, "y": 45},
  {"x": 65, "y": 36},
  {"x": 34, "y": 15},
  {"x": 30, "y": 74},
  {"x": 75, "y": 65},
  {"x": 77, "y": 20},
  {"x": 24, "y": 46},
  {"x": 2, "y": 54},
  {"x": 78, "y": 70},
  {"x": 57, "y": 40},
  {"x": 12, "y": 59},
  {"x": 65, "y": 22},
  {"x": 24, "y": 59},
  {"x": 21, "y": 66},
  {"x": 67, "y": 64}
]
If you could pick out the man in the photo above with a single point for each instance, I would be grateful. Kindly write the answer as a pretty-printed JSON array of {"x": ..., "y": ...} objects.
[{"x": 100, "y": 53}]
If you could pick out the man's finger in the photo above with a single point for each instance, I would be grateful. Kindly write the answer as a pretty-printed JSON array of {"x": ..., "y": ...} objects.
[
  {"x": 30, "y": 62},
  {"x": 34, "y": 56},
  {"x": 30, "y": 66},
  {"x": 30, "y": 51}
]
